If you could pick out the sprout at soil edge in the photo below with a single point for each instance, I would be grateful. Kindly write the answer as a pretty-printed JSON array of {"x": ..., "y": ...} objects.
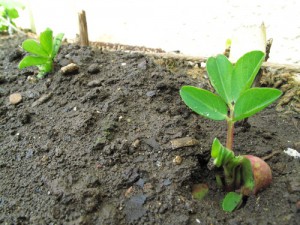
[{"x": 235, "y": 99}]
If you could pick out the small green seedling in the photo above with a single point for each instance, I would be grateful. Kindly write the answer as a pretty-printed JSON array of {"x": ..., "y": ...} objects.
[
  {"x": 8, "y": 12},
  {"x": 41, "y": 54},
  {"x": 235, "y": 99}
]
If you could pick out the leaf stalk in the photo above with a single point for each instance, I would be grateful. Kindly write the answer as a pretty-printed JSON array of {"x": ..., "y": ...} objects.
[{"x": 230, "y": 128}]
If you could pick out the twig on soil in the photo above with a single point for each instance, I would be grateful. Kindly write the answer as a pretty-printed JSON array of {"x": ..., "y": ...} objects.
[{"x": 267, "y": 157}]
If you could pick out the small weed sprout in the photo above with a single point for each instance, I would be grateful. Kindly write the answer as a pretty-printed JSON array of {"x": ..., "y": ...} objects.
[
  {"x": 41, "y": 54},
  {"x": 9, "y": 12}
]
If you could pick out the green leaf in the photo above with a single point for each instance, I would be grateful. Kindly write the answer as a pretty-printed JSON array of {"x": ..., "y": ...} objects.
[
  {"x": 254, "y": 100},
  {"x": 12, "y": 13},
  {"x": 34, "y": 47},
  {"x": 216, "y": 148},
  {"x": 219, "y": 71},
  {"x": 56, "y": 44},
  {"x": 232, "y": 201},
  {"x": 199, "y": 191},
  {"x": 244, "y": 72},
  {"x": 204, "y": 102},
  {"x": 220, "y": 154},
  {"x": 46, "y": 39},
  {"x": 32, "y": 61}
]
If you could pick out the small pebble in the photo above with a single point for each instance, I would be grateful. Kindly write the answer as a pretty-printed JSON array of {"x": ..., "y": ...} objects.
[
  {"x": 267, "y": 135},
  {"x": 15, "y": 98},
  {"x": 183, "y": 142},
  {"x": 93, "y": 68},
  {"x": 292, "y": 152},
  {"x": 32, "y": 79},
  {"x": 167, "y": 182},
  {"x": 72, "y": 68},
  {"x": 44, "y": 158},
  {"x": 151, "y": 93},
  {"x": 136, "y": 143},
  {"x": 94, "y": 83},
  {"x": 177, "y": 160},
  {"x": 191, "y": 64},
  {"x": 128, "y": 192}
]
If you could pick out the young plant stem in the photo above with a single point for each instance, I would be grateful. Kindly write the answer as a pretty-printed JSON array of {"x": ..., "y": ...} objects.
[
  {"x": 6, "y": 21},
  {"x": 230, "y": 130}
]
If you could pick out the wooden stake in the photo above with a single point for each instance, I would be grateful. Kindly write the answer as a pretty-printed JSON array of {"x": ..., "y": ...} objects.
[{"x": 83, "y": 30}]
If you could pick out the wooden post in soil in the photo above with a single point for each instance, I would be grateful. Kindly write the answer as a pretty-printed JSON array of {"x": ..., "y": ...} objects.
[{"x": 83, "y": 30}]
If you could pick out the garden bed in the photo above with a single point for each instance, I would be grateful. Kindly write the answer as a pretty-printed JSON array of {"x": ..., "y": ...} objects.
[{"x": 94, "y": 147}]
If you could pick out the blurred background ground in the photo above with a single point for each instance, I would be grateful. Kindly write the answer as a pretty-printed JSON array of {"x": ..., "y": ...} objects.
[{"x": 198, "y": 28}]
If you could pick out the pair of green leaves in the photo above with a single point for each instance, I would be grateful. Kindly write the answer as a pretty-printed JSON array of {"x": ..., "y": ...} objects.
[
  {"x": 41, "y": 54},
  {"x": 233, "y": 86}
]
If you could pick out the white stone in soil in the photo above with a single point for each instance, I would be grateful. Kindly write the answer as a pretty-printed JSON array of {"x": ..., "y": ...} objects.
[
  {"x": 292, "y": 152},
  {"x": 15, "y": 98}
]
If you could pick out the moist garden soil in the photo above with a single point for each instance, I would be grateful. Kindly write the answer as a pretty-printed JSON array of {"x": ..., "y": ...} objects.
[{"x": 99, "y": 146}]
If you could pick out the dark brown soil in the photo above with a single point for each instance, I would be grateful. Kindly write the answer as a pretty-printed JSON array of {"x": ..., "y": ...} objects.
[{"x": 94, "y": 147}]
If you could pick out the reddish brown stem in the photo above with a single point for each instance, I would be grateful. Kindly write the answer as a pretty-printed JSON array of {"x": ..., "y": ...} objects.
[
  {"x": 230, "y": 129},
  {"x": 229, "y": 141}
]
